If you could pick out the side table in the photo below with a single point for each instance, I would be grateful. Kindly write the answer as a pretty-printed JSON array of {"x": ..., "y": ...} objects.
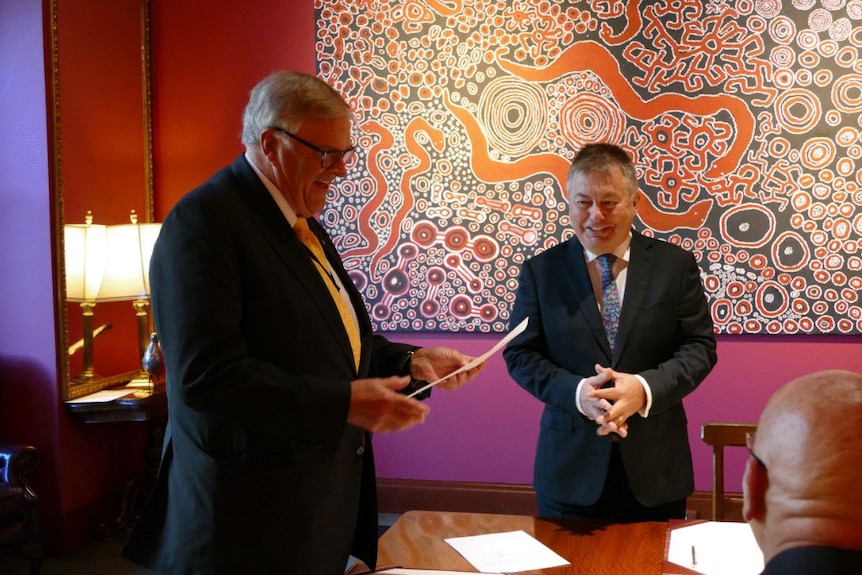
[{"x": 137, "y": 405}]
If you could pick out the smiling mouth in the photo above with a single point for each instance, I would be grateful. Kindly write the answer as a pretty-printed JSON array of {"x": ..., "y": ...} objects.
[{"x": 600, "y": 231}]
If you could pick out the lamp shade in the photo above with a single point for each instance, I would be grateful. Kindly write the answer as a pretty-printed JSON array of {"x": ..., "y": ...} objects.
[
  {"x": 85, "y": 246},
  {"x": 127, "y": 261}
]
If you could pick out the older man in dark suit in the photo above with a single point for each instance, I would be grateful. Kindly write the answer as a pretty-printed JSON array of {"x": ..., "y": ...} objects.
[
  {"x": 619, "y": 334},
  {"x": 274, "y": 376}
]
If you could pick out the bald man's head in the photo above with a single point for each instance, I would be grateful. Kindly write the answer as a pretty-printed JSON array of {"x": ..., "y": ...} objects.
[{"x": 810, "y": 439}]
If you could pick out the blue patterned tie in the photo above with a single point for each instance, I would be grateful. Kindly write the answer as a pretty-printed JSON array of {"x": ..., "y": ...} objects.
[{"x": 610, "y": 298}]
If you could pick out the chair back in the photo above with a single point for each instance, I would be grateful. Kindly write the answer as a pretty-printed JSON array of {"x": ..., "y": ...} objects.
[{"x": 720, "y": 435}]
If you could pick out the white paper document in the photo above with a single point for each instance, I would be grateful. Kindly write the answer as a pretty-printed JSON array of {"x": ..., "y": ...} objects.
[
  {"x": 716, "y": 548},
  {"x": 506, "y": 552},
  {"x": 500, "y": 345},
  {"x": 103, "y": 396}
]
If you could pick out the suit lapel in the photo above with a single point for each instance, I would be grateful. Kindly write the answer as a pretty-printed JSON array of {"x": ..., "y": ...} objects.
[
  {"x": 637, "y": 282},
  {"x": 278, "y": 233},
  {"x": 577, "y": 277}
]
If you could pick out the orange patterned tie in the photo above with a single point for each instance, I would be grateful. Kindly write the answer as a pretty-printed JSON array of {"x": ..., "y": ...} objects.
[{"x": 307, "y": 237}]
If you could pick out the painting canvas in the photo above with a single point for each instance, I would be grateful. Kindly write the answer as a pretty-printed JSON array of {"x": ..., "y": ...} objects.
[{"x": 742, "y": 117}]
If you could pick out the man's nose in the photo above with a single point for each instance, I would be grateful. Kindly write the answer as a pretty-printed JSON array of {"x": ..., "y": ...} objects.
[{"x": 339, "y": 168}]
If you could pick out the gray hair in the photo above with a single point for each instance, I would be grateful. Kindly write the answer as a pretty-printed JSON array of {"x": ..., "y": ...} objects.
[
  {"x": 284, "y": 99},
  {"x": 602, "y": 159}
]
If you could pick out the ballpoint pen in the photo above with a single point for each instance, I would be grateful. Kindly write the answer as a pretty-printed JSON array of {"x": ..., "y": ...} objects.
[{"x": 693, "y": 557}]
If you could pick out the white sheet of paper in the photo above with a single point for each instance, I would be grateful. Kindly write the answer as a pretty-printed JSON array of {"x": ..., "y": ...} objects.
[
  {"x": 505, "y": 552},
  {"x": 721, "y": 548},
  {"x": 103, "y": 396},
  {"x": 500, "y": 344}
]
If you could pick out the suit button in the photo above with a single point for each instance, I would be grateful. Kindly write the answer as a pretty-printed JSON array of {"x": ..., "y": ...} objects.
[{"x": 360, "y": 450}]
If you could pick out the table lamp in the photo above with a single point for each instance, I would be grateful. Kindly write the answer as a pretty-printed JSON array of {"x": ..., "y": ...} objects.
[
  {"x": 127, "y": 267},
  {"x": 85, "y": 246}
]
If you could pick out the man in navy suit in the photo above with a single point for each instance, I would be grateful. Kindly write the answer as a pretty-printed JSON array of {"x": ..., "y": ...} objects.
[
  {"x": 612, "y": 441},
  {"x": 274, "y": 377},
  {"x": 802, "y": 489}
]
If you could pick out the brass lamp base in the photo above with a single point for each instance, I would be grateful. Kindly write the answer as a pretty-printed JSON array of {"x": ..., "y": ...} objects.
[{"x": 142, "y": 380}]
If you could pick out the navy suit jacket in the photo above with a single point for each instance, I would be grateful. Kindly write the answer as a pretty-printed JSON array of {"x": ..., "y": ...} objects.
[
  {"x": 665, "y": 335},
  {"x": 260, "y": 471}
]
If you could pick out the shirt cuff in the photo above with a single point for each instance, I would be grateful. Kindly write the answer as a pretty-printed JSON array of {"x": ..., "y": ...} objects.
[
  {"x": 645, "y": 411},
  {"x": 578, "y": 398}
]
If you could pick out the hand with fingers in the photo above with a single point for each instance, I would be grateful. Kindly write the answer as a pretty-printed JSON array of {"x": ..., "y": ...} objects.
[
  {"x": 432, "y": 363},
  {"x": 591, "y": 406},
  {"x": 376, "y": 405},
  {"x": 625, "y": 397}
]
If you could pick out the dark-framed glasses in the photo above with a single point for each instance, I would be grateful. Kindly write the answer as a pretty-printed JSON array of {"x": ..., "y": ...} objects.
[
  {"x": 749, "y": 445},
  {"x": 328, "y": 158}
]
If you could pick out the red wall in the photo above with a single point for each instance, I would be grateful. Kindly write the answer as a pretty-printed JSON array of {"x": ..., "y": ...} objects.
[{"x": 208, "y": 55}]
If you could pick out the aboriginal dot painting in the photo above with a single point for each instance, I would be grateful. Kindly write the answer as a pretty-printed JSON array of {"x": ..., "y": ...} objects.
[{"x": 743, "y": 118}]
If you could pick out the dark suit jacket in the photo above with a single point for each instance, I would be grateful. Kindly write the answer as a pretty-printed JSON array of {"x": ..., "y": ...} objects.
[
  {"x": 665, "y": 335},
  {"x": 260, "y": 471},
  {"x": 815, "y": 561}
]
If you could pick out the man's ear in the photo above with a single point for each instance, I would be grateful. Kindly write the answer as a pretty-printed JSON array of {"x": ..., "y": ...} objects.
[
  {"x": 268, "y": 142},
  {"x": 754, "y": 484}
]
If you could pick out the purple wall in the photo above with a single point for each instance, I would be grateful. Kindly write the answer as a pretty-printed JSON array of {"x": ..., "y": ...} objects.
[
  {"x": 26, "y": 294},
  {"x": 28, "y": 362},
  {"x": 487, "y": 430}
]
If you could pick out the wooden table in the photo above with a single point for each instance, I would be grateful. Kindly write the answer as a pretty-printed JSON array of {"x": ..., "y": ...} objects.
[
  {"x": 150, "y": 406},
  {"x": 137, "y": 405},
  {"x": 416, "y": 540}
]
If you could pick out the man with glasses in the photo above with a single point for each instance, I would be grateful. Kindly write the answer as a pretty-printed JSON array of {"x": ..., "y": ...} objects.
[
  {"x": 803, "y": 484},
  {"x": 275, "y": 379}
]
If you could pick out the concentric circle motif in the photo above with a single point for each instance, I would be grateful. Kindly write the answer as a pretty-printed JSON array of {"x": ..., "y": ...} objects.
[
  {"x": 587, "y": 117},
  {"x": 818, "y": 153},
  {"x": 513, "y": 115},
  {"x": 767, "y": 8},
  {"x": 847, "y": 93},
  {"x": 790, "y": 252},
  {"x": 798, "y": 110},
  {"x": 748, "y": 225}
]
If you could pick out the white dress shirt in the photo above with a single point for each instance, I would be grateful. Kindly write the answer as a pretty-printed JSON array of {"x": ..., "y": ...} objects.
[{"x": 621, "y": 266}]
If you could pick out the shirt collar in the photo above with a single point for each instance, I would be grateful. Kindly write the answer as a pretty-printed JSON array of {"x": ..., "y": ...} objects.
[
  {"x": 289, "y": 212},
  {"x": 622, "y": 251}
]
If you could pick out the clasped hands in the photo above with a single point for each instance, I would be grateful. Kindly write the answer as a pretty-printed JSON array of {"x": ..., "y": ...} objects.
[
  {"x": 376, "y": 405},
  {"x": 610, "y": 407}
]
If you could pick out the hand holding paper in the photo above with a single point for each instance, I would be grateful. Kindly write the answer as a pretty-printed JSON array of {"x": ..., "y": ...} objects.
[
  {"x": 430, "y": 363},
  {"x": 458, "y": 376}
]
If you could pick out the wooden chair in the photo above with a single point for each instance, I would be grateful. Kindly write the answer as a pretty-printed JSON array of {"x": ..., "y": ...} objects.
[{"x": 720, "y": 435}]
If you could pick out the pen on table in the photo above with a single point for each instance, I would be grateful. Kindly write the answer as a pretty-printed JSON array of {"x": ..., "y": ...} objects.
[{"x": 693, "y": 557}]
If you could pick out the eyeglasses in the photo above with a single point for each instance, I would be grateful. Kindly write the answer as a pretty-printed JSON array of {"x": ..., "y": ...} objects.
[
  {"x": 749, "y": 445},
  {"x": 328, "y": 158}
]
